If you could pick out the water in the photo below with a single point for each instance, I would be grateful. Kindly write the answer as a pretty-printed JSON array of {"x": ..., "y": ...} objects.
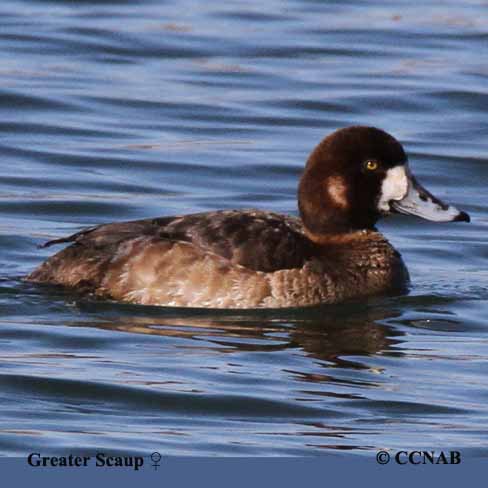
[{"x": 112, "y": 111}]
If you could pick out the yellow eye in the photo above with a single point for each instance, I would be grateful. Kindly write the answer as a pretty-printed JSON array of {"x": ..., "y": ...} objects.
[{"x": 371, "y": 165}]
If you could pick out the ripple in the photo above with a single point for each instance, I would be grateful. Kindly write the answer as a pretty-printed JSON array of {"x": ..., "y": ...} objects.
[{"x": 113, "y": 398}]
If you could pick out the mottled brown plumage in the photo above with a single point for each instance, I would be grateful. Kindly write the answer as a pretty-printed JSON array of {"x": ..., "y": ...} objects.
[
  {"x": 226, "y": 259},
  {"x": 252, "y": 258}
]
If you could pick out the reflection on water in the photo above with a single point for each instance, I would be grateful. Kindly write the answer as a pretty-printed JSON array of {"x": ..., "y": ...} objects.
[
  {"x": 353, "y": 374},
  {"x": 322, "y": 337},
  {"x": 112, "y": 111}
]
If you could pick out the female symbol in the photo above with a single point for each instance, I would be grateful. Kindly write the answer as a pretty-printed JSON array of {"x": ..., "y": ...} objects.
[{"x": 155, "y": 458}]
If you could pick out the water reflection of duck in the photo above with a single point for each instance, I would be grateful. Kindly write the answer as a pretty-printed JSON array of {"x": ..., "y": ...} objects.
[
  {"x": 256, "y": 259},
  {"x": 332, "y": 337}
]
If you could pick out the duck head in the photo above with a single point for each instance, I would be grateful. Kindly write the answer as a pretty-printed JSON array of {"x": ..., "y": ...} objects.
[{"x": 357, "y": 175}]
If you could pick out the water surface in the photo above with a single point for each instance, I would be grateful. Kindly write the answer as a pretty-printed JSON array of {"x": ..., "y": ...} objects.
[{"x": 111, "y": 111}]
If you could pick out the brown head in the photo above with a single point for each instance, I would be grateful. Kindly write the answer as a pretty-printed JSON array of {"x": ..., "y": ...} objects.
[{"x": 355, "y": 176}]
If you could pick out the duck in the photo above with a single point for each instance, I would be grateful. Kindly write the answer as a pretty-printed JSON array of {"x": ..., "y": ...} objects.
[{"x": 330, "y": 253}]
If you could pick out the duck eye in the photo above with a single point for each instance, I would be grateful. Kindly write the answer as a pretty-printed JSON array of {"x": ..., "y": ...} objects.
[{"x": 371, "y": 165}]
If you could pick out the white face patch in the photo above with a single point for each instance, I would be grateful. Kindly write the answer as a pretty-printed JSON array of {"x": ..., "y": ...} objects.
[
  {"x": 337, "y": 190},
  {"x": 394, "y": 187}
]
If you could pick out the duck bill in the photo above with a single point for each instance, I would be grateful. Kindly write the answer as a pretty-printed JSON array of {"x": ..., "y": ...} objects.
[{"x": 421, "y": 203}]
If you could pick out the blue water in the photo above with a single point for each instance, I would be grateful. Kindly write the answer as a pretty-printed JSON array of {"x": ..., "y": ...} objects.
[{"x": 112, "y": 111}]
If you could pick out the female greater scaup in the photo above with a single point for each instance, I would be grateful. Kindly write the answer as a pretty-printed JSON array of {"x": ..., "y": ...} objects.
[{"x": 256, "y": 259}]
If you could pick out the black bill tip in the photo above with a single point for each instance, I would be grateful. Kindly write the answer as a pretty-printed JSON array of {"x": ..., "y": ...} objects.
[{"x": 462, "y": 217}]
